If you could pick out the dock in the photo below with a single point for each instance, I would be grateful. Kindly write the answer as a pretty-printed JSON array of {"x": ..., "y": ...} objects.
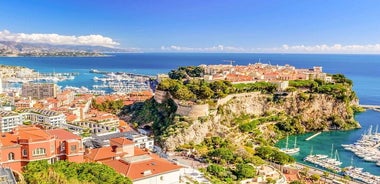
[
  {"x": 371, "y": 107},
  {"x": 313, "y": 136}
]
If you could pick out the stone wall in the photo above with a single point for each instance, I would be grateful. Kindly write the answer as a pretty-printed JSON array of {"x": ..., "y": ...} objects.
[
  {"x": 160, "y": 96},
  {"x": 191, "y": 110}
]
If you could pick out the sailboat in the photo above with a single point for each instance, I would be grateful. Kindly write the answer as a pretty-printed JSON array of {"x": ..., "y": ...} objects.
[
  {"x": 290, "y": 150},
  {"x": 334, "y": 159}
]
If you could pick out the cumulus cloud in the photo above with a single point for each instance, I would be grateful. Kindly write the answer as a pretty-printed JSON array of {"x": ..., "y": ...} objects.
[
  {"x": 323, "y": 48},
  {"x": 56, "y": 39}
]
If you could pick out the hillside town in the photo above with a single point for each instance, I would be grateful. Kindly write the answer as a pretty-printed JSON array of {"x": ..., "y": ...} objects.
[
  {"x": 39, "y": 121},
  {"x": 262, "y": 72}
]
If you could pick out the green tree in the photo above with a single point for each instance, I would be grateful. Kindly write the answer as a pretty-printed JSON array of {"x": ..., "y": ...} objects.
[
  {"x": 64, "y": 172},
  {"x": 245, "y": 171},
  {"x": 315, "y": 177}
]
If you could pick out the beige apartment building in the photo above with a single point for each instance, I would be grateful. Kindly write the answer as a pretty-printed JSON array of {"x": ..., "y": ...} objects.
[{"x": 39, "y": 90}]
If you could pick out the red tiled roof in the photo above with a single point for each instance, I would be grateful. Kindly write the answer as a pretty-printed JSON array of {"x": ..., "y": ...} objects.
[
  {"x": 63, "y": 134},
  {"x": 135, "y": 170},
  {"x": 122, "y": 141},
  {"x": 101, "y": 154}
]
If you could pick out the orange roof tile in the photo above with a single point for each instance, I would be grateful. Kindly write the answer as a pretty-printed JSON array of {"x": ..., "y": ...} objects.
[
  {"x": 135, "y": 170},
  {"x": 101, "y": 153},
  {"x": 122, "y": 141},
  {"x": 63, "y": 134},
  {"x": 139, "y": 151},
  {"x": 31, "y": 132}
]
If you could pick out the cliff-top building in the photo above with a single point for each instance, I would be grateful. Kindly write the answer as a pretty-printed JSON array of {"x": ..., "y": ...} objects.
[{"x": 261, "y": 72}]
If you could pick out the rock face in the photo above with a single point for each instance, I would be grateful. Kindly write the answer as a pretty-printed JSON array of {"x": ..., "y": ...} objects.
[{"x": 313, "y": 110}]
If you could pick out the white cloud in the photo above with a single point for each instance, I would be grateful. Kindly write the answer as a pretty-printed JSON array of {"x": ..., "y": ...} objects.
[
  {"x": 323, "y": 48},
  {"x": 217, "y": 48},
  {"x": 336, "y": 48},
  {"x": 56, "y": 39}
]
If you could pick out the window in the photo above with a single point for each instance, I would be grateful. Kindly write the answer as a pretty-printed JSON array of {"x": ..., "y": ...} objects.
[
  {"x": 73, "y": 148},
  {"x": 63, "y": 147},
  {"x": 24, "y": 152},
  {"x": 11, "y": 156},
  {"x": 39, "y": 151}
]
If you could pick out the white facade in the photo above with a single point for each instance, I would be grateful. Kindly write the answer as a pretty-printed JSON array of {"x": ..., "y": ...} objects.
[
  {"x": 141, "y": 141},
  {"x": 166, "y": 178},
  {"x": 38, "y": 116},
  {"x": 9, "y": 121}
]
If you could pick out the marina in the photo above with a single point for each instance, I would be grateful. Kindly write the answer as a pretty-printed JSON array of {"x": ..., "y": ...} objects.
[
  {"x": 367, "y": 148},
  {"x": 120, "y": 82},
  {"x": 321, "y": 145},
  {"x": 330, "y": 163},
  {"x": 361, "y": 175}
]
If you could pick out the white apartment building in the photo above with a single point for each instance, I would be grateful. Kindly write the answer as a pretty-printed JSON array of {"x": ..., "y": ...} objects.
[
  {"x": 141, "y": 141},
  {"x": 40, "y": 116},
  {"x": 9, "y": 120}
]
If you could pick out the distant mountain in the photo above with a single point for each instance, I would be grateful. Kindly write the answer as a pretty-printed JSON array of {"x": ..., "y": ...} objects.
[{"x": 8, "y": 48}]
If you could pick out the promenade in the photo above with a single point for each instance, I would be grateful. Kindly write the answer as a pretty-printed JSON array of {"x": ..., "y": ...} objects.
[{"x": 329, "y": 178}]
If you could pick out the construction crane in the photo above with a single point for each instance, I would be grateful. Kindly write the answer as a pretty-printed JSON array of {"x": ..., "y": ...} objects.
[{"x": 230, "y": 61}]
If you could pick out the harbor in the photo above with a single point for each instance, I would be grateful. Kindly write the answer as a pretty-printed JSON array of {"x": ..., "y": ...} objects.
[
  {"x": 367, "y": 147},
  {"x": 321, "y": 144},
  {"x": 121, "y": 82},
  {"x": 330, "y": 163}
]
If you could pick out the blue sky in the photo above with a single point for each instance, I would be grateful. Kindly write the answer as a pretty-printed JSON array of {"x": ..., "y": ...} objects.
[{"x": 202, "y": 26}]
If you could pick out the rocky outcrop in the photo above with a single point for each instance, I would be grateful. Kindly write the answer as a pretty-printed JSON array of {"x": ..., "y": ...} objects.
[{"x": 315, "y": 111}]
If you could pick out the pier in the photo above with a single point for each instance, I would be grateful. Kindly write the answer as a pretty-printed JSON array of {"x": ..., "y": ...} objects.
[
  {"x": 126, "y": 73},
  {"x": 315, "y": 135},
  {"x": 372, "y": 107}
]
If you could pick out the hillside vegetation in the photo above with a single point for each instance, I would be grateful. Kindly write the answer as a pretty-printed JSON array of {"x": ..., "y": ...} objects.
[
  {"x": 242, "y": 131},
  {"x": 64, "y": 172}
]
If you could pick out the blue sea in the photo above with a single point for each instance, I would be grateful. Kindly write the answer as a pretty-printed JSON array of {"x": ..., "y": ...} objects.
[{"x": 364, "y": 70}]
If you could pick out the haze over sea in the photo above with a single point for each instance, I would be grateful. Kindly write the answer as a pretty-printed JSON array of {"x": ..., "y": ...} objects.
[{"x": 364, "y": 70}]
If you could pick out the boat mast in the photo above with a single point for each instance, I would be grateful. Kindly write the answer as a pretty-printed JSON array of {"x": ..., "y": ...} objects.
[
  {"x": 352, "y": 161},
  {"x": 295, "y": 142},
  {"x": 370, "y": 130},
  {"x": 337, "y": 155},
  {"x": 286, "y": 145},
  {"x": 332, "y": 151},
  {"x": 377, "y": 126},
  {"x": 311, "y": 151}
]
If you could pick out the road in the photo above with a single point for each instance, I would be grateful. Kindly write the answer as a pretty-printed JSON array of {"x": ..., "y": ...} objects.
[{"x": 320, "y": 172}]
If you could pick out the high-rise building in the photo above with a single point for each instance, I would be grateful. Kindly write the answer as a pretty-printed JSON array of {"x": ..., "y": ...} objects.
[{"x": 39, "y": 90}]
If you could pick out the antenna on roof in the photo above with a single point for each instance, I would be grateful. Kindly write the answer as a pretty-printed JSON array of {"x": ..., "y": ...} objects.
[{"x": 230, "y": 61}]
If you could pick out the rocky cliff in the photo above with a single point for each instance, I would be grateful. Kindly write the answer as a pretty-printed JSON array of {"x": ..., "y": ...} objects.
[
  {"x": 295, "y": 112},
  {"x": 312, "y": 111}
]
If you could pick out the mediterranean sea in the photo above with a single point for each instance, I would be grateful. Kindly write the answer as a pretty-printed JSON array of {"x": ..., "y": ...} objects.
[{"x": 364, "y": 70}]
